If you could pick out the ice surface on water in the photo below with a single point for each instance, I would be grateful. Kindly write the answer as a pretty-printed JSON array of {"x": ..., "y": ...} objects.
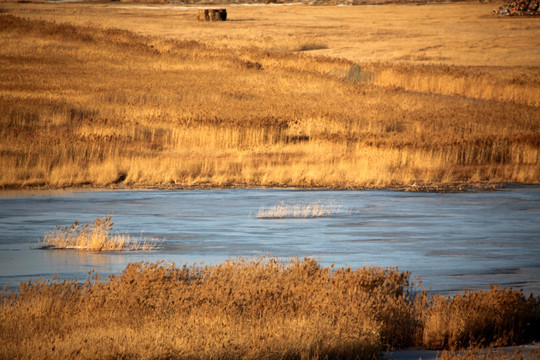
[{"x": 453, "y": 241}]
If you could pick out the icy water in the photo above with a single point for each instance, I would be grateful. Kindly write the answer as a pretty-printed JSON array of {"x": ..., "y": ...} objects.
[{"x": 452, "y": 241}]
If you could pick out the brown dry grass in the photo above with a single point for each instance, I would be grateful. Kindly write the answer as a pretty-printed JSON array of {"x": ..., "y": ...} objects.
[
  {"x": 84, "y": 105},
  {"x": 495, "y": 317},
  {"x": 299, "y": 210},
  {"x": 250, "y": 309},
  {"x": 95, "y": 236},
  {"x": 462, "y": 34}
]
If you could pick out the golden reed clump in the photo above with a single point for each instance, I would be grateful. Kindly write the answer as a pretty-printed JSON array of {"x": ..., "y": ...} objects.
[
  {"x": 85, "y": 106},
  {"x": 299, "y": 210},
  {"x": 495, "y": 317},
  {"x": 251, "y": 309},
  {"x": 95, "y": 236}
]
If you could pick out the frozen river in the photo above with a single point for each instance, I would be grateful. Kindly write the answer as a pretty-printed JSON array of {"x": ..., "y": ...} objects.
[{"x": 452, "y": 241}]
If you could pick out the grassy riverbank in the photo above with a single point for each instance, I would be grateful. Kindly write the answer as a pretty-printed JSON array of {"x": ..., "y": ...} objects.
[
  {"x": 253, "y": 309},
  {"x": 84, "y": 105}
]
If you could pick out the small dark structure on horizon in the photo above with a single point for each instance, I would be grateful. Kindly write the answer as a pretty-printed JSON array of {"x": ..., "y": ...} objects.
[{"x": 212, "y": 15}]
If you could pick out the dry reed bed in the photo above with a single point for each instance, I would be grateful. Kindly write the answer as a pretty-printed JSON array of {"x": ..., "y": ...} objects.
[
  {"x": 253, "y": 309},
  {"x": 84, "y": 106}
]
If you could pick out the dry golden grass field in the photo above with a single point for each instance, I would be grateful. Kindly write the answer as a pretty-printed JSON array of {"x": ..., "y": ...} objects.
[{"x": 396, "y": 96}]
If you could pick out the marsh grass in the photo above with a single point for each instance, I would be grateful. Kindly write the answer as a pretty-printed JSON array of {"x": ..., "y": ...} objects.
[
  {"x": 87, "y": 106},
  {"x": 299, "y": 210},
  {"x": 258, "y": 308},
  {"x": 496, "y": 317},
  {"x": 95, "y": 236}
]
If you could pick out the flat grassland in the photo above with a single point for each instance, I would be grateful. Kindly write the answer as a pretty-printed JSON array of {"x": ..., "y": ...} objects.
[{"x": 126, "y": 95}]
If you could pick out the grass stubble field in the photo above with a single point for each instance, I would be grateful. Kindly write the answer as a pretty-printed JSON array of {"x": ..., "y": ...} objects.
[{"x": 119, "y": 96}]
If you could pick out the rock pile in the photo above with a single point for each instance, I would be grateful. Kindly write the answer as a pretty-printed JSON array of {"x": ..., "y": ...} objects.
[{"x": 519, "y": 7}]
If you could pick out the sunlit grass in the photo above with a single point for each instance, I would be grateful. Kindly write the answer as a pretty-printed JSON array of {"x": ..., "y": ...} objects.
[
  {"x": 258, "y": 308},
  {"x": 299, "y": 210},
  {"x": 95, "y": 236},
  {"x": 86, "y": 106}
]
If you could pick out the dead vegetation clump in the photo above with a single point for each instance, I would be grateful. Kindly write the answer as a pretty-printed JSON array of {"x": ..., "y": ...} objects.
[
  {"x": 95, "y": 236},
  {"x": 300, "y": 210},
  {"x": 496, "y": 317},
  {"x": 252, "y": 309},
  {"x": 258, "y": 309}
]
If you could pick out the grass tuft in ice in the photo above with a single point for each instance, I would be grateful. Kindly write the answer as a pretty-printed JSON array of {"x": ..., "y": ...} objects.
[
  {"x": 311, "y": 210},
  {"x": 95, "y": 236}
]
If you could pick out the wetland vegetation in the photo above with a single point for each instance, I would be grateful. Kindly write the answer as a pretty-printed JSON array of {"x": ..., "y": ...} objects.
[
  {"x": 254, "y": 309},
  {"x": 104, "y": 96},
  {"x": 95, "y": 236},
  {"x": 88, "y": 104}
]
